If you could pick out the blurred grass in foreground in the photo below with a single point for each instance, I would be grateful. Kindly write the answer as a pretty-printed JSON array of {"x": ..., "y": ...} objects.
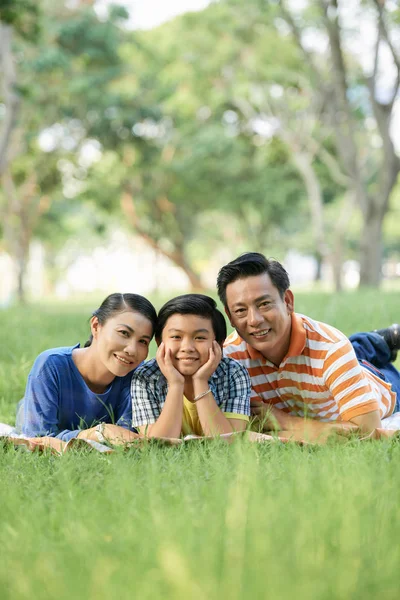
[{"x": 212, "y": 521}]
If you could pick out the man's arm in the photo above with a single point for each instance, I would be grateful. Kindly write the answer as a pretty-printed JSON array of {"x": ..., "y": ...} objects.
[
  {"x": 368, "y": 422},
  {"x": 274, "y": 419}
]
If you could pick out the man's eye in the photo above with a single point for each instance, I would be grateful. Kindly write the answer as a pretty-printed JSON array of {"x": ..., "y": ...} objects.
[{"x": 265, "y": 304}]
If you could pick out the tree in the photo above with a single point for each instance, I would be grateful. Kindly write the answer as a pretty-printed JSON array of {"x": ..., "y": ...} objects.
[{"x": 372, "y": 171}]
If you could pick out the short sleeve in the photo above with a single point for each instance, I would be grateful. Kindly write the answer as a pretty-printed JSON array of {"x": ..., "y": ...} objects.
[
  {"x": 146, "y": 408},
  {"x": 239, "y": 389},
  {"x": 348, "y": 382}
]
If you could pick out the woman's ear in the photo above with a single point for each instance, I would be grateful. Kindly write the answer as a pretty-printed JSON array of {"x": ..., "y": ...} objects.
[{"x": 94, "y": 326}]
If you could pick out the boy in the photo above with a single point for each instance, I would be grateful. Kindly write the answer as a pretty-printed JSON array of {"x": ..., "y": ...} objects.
[{"x": 189, "y": 388}]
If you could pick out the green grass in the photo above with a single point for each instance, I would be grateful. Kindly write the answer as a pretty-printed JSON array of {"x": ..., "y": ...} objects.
[{"x": 199, "y": 521}]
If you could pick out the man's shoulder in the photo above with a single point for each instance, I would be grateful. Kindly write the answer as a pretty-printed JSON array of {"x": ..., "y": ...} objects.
[
  {"x": 320, "y": 331},
  {"x": 234, "y": 344}
]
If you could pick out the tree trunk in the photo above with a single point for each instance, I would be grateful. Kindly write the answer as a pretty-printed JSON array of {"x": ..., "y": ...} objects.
[
  {"x": 371, "y": 248},
  {"x": 177, "y": 255},
  {"x": 10, "y": 95}
]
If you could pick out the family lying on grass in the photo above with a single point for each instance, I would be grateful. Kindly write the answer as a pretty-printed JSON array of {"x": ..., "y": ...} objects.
[{"x": 290, "y": 372}]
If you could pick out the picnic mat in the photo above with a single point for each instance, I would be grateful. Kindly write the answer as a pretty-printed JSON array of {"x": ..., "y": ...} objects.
[{"x": 55, "y": 446}]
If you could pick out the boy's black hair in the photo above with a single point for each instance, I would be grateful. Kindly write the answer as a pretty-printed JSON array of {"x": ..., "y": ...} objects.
[
  {"x": 117, "y": 303},
  {"x": 193, "y": 304},
  {"x": 250, "y": 264}
]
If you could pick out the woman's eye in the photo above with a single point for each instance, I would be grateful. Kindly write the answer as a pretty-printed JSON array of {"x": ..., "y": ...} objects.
[
  {"x": 124, "y": 333},
  {"x": 200, "y": 338},
  {"x": 145, "y": 342}
]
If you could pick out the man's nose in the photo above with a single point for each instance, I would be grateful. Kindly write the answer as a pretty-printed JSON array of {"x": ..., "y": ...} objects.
[{"x": 254, "y": 317}]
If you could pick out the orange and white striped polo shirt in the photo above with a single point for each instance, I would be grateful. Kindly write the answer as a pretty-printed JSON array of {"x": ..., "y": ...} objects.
[{"x": 320, "y": 377}]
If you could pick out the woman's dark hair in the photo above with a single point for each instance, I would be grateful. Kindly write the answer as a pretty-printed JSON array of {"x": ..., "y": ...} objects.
[
  {"x": 250, "y": 264},
  {"x": 193, "y": 304},
  {"x": 117, "y": 303}
]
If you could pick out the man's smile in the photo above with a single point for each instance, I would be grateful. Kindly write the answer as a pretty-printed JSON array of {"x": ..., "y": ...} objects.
[{"x": 261, "y": 334}]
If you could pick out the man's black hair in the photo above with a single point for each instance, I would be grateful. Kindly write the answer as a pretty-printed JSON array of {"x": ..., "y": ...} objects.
[
  {"x": 193, "y": 304},
  {"x": 251, "y": 264}
]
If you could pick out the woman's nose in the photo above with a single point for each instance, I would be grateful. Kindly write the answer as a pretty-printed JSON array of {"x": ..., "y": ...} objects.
[{"x": 130, "y": 347}]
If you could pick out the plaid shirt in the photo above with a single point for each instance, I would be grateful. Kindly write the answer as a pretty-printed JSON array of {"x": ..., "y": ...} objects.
[{"x": 230, "y": 385}]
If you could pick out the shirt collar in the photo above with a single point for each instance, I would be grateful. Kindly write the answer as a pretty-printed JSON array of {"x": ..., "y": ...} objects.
[{"x": 297, "y": 340}]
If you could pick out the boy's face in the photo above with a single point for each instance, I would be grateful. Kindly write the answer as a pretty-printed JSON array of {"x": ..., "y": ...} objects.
[{"x": 189, "y": 337}]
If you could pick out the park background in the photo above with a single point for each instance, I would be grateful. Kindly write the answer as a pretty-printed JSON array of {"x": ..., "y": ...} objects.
[
  {"x": 140, "y": 151},
  {"x": 141, "y": 147}
]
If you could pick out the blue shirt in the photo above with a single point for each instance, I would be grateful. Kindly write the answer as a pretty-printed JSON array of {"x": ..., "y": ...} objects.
[{"x": 58, "y": 402}]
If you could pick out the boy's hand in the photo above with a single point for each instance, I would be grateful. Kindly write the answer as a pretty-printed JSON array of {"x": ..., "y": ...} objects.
[
  {"x": 164, "y": 361},
  {"x": 205, "y": 372}
]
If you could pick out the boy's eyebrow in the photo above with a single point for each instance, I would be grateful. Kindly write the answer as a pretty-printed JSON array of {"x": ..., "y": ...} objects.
[
  {"x": 132, "y": 330},
  {"x": 196, "y": 331}
]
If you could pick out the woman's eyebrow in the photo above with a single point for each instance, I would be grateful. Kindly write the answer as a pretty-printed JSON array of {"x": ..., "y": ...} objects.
[{"x": 133, "y": 331}]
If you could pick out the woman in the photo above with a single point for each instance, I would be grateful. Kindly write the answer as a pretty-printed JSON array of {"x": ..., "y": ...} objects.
[{"x": 85, "y": 392}]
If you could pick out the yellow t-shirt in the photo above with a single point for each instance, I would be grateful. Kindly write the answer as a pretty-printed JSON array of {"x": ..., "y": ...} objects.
[{"x": 191, "y": 423}]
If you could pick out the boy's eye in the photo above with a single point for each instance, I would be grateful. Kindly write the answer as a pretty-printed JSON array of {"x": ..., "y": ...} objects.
[
  {"x": 239, "y": 311},
  {"x": 175, "y": 337},
  {"x": 200, "y": 337}
]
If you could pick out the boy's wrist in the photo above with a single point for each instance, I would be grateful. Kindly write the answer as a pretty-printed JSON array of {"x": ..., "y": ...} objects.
[
  {"x": 200, "y": 386},
  {"x": 176, "y": 385}
]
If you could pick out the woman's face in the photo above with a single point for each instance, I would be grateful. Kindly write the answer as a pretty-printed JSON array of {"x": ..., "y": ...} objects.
[{"x": 122, "y": 342}]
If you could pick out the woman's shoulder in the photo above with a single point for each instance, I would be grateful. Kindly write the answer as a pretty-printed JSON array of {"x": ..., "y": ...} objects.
[{"x": 57, "y": 357}]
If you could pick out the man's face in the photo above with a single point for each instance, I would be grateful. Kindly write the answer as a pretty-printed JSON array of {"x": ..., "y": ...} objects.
[{"x": 260, "y": 316}]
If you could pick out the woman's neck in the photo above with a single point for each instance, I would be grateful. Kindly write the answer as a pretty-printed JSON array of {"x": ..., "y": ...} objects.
[{"x": 95, "y": 375}]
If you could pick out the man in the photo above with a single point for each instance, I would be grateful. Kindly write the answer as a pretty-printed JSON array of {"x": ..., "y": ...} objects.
[{"x": 306, "y": 376}]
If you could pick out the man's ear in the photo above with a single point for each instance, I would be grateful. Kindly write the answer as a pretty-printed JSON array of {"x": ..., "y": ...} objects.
[
  {"x": 289, "y": 301},
  {"x": 94, "y": 326},
  {"x": 228, "y": 314}
]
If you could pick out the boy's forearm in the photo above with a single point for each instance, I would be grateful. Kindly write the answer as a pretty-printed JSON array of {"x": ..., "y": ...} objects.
[
  {"x": 169, "y": 423},
  {"x": 212, "y": 420}
]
